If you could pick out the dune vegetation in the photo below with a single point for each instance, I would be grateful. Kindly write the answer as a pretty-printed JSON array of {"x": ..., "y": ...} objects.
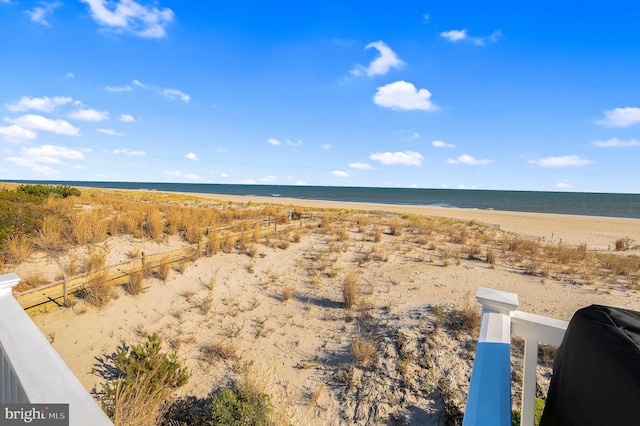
[{"x": 286, "y": 314}]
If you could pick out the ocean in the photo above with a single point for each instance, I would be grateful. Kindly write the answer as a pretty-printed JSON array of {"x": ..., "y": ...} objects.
[{"x": 579, "y": 203}]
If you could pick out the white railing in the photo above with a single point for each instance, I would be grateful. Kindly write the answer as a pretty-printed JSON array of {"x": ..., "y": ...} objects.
[
  {"x": 31, "y": 371},
  {"x": 489, "y": 399}
]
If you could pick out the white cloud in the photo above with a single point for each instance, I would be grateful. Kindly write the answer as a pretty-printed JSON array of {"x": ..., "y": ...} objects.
[
  {"x": 34, "y": 166},
  {"x": 173, "y": 173},
  {"x": 191, "y": 176},
  {"x": 127, "y": 151},
  {"x": 191, "y": 156},
  {"x": 39, "y": 13},
  {"x": 402, "y": 95},
  {"x": 621, "y": 117},
  {"x": 52, "y": 154},
  {"x": 175, "y": 94},
  {"x": 562, "y": 161},
  {"x": 70, "y": 75},
  {"x": 38, "y": 122},
  {"x": 563, "y": 185},
  {"x": 17, "y": 134},
  {"x": 89, "y": 114},
  {"x": 131, "y": 16},
  {"x": 340, "y": 173},
  {"x": 381, "y": 65},
  {"x": 269, "y": 179},
  {"x": 44, "y": 104},
  {"x": 301, "y": 183},
  {"x": 426, "y": 17},
  {"x": 224, "y": 175},
  {"x": 272, "y": 141},
  {"x": 441, "y": 144},
  {"x": 455, "y": 36},
  {"x": 615, "y": 142},
  {"x": 127, "y": 118},
  {"x": 467, "y": 159},
  {"x": 118, "y": 89},
  {"x": 326, "y": 146},
  {"x": 407, "y": 158},
  {"x": 361, "y": 166},
  {"x": 139, "y": 84},
  {"x": 110, "y": 132}
]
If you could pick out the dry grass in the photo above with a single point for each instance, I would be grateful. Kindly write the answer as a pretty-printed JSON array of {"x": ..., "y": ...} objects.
[
  {"x": 351, "y": 289},
  {"x": 287, "y": 292},
  {"x": 225, "y": 350},
  {"x": 466, "y": 318},
  {"x": 252, "y": 250},
  {"x": 133, "y": 253},
  {"x": 364, "y": 350},
  {"x": 98, "y": 292},
  {"x": 162, "y": 270},
  {"x": 135, "y": 284},
  {"x": 96, "y": 259},
  {"x": 17, "y": 249},
  {"x": 205, "y": 304},
  {"x": 33, "y": 280},
  {"x": 50, "y": 236}
]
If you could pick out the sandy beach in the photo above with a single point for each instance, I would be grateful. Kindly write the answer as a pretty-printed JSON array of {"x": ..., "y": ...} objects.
[{"x": 280, "y": 311}]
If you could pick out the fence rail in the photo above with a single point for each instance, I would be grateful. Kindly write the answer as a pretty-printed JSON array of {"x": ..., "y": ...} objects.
[{"x": 57, "y": 292}]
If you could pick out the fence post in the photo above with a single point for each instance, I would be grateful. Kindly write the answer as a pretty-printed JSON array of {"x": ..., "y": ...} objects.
[{"x": 64, "y": 289}]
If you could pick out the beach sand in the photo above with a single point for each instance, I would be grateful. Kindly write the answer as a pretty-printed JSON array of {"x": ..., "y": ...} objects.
[{"x": 300, "y": 345}]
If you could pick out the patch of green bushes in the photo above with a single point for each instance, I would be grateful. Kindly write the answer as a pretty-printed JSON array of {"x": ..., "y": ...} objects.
[
  {"x": 61, "y": 191},
  {"x": 239, "y": 407},
  {"x": 19, "y": 213},
  {"x": 140, "y": 382},
  {"x": 537, "y": 413}
]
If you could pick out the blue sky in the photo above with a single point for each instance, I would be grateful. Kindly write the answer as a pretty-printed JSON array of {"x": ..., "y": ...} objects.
[{"x": 429, "y": 94}]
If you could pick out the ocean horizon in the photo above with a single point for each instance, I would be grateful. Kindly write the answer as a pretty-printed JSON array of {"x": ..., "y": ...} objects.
[{"x": 578, "y": 203}]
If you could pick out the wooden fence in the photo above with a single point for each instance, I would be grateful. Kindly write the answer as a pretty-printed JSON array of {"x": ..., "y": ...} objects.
[{"x": 57, "y": 293}]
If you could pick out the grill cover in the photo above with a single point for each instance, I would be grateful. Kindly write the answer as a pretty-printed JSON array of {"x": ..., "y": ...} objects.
[{"x": 596, "y": 370}]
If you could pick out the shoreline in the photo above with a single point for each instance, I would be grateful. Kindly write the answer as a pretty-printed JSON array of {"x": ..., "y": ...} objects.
[{"x": 596, "y": 231}]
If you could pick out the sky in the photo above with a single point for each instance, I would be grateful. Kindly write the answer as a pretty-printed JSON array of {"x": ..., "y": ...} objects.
[{"x": 503, "y": 95}]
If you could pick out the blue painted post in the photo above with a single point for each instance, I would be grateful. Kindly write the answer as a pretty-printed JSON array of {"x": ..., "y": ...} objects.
[{"x": 489, "y": 398}]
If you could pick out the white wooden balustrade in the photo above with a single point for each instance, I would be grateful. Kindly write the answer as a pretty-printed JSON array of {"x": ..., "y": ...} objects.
[
  {"x": 31, "y": 371},
  {"x": 489, "y": 399}
]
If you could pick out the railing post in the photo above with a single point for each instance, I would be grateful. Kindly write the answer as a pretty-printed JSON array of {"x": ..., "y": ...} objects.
[
  {"x": 489, "y": 399},
  {"x": 497, "y": 301},
  {"x": 533, "y": 329},
  {"x": 529, "y": 382}
]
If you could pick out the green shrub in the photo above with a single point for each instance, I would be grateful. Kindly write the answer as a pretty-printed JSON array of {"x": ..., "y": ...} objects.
[
  {"x": 239, "y": 407},
  {"x": 60, "y": 191},
  {"x": 19, "y": 214},
  {"x": 140, "y": 382},
  {"x": 537, "y": 413}
]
